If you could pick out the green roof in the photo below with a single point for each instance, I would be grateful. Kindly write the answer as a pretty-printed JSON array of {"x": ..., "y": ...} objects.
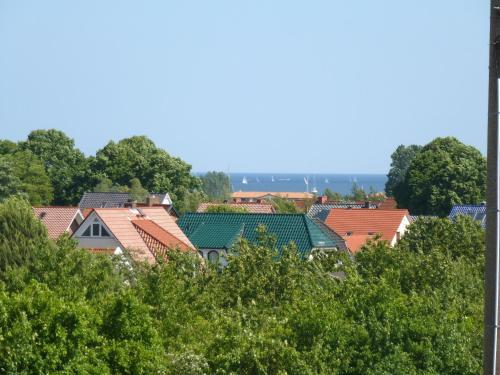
[{"x": 221, "y": 230}]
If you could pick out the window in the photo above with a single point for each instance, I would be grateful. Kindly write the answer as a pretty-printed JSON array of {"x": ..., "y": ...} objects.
[
  {"x": 348, "y": 234},
  {"x": 213, "y": 256},
  {"x": 104, "y": 232},
  {"x": 86, "y": 233},
  {"x": 95, "y": 230}
]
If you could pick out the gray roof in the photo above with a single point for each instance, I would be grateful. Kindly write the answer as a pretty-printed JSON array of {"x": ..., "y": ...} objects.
[
  {"x": 116, "y": 200},
  {"x": 320, "y": 210},
  {"x": 475, "y": 211},
  {"x": 103, "y": 200}
]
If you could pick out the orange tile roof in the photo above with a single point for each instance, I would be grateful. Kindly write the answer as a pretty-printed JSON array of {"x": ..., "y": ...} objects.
[
  {"x": 159, "y": 234},
  {"x": 254, "y": 208},
  {"x": 57, "y": 219},
  {"x": 263, "y": 194},
  {"x": 365, "y": 222},
  {"x": 355, "y": 242},
  {"x": 119, "y": 222}
]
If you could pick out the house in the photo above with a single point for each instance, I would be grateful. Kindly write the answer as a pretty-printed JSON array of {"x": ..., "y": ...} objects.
[
  {"x": 298, "y": 198},
  {"x": 115, "y": 200},
  {"x": 322, "y": 206},
  {"x": 251, "y": 207},
  {"x": 59, "y": 220},
  {"x": 357, "y": 226},
  {"x": 214, "y": 234},
  {"x": 146, "y": 232},
  {"x": 475, "y": 211}
]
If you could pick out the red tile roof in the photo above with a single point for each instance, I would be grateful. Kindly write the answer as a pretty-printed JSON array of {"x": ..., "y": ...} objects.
[
  {"x": 120, "y": 222},
  {"x": 366, "y": 223},
  {"x": 57, "y": 219},
  {"x": 159, "y": 234},
  {"x": 355, "y": 242},
  {"x": 264, "y": 194},
  {"x": 254, "y": 208}
]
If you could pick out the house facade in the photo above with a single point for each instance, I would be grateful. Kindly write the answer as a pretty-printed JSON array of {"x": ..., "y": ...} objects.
[{"x": 148, "y": 233}]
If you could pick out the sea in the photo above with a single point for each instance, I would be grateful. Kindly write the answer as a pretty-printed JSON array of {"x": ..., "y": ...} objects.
[{"x": 301, "y": 182}]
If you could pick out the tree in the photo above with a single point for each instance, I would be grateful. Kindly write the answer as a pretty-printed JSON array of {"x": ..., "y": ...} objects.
[
  {"x": 138, "y": 157},
  {"x": 65, "y": 165},
  {"x": 22, "y": 236},
  {"x": 401, "y": 159},
  {"x": 9, "y": 182},
  {"x": 283, "y": 206},
  {"x": 216, "y": 186},
  {"x": 34, "y": 181},
  {"x": 444, "y": 173},
  {"x": 333, "y": 195},
  {"x": 226, "y": 208},
  {"x": 137, "y": 192},
  {"x": 357, "y": 193},
  {"x": 23, "y": 174},
  {"x": 7, "y": 147}
]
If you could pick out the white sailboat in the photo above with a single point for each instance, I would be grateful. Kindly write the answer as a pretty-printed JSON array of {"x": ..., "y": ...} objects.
[
  {"x": 314, "y": 190},
  {"x": 244, "y": 181},
  {"x": 326, "y": 181},
  {"x": 272, "y": 178}
]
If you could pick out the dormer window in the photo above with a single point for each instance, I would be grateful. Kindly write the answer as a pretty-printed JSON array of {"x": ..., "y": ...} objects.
[
  {"x": 348, "y": 234},
  {"x": 96, "y": 229}
]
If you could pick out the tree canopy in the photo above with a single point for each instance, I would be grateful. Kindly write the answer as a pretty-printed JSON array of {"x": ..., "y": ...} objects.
[
  {"x": 401, "y": 159},
  {"x": 443, "y": 173},
  {"x": 225, "y": 208},
  {"x": 65, "y": 165},
  {"x": 412, "y": 309},
  {"x": 138, "y": 157},
  {"x": 216, "y": 186}
]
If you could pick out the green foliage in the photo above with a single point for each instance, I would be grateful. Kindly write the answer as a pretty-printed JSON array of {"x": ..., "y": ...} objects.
[
  {"x": 216, "y": 186},
  {"x": 443, "y": 173},
  {"x": 401, "y": 159},
  {"x": 191, "y": 201},
  {"x": 333, "y": 195},
  {"x": 284, "y": 206},
  {"x": 23, "y": 174},
  {"x": 224, "y": 208},
  {"x": 10, "y": 184},
  {"x": 357, "y": 193},
  {"x": 65, "y": 165},
  {"x": 138, "y": 157},
  {"x": 7, "y": 147},
  {"x": 22, "y": 235},
  {"x": 412, "y": 309},
  {"x": 135, "y": 189}
]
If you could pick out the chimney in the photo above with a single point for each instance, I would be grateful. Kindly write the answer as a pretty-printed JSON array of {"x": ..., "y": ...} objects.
[
  {"x": 149, "y": 201},
  {"x": 259, "y": 200},
  {"x": 322, "y": 199},
  {"x": 130, "y": 204},
  {"x": 367, "y": 204}
]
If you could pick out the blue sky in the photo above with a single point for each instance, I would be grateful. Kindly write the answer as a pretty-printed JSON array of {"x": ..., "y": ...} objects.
[{"x": 254, "y": 86}]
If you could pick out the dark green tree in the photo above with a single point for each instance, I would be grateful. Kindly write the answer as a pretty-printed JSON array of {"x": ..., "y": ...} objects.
[
  {"x": 226, "y": 208},
  {"x": 7, "y": 147},
  {"x": 23, "y": 174},
  {"x": 401, "y": 159},
  {"x": 333, "y": 195},
  {"x": 216, "y": 186},
  {"x": 65, "y": 165},
  {"x": 444, "y": 173},
  {"x": 22, "y": 236},
  {"x": 284, "y": 206},
  {"x": 10, "y": 184},
  {"x": 138, "y": 157}
]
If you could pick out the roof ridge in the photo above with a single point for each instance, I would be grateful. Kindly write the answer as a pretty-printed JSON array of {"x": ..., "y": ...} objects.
[{"x": 135, "y": 221}]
